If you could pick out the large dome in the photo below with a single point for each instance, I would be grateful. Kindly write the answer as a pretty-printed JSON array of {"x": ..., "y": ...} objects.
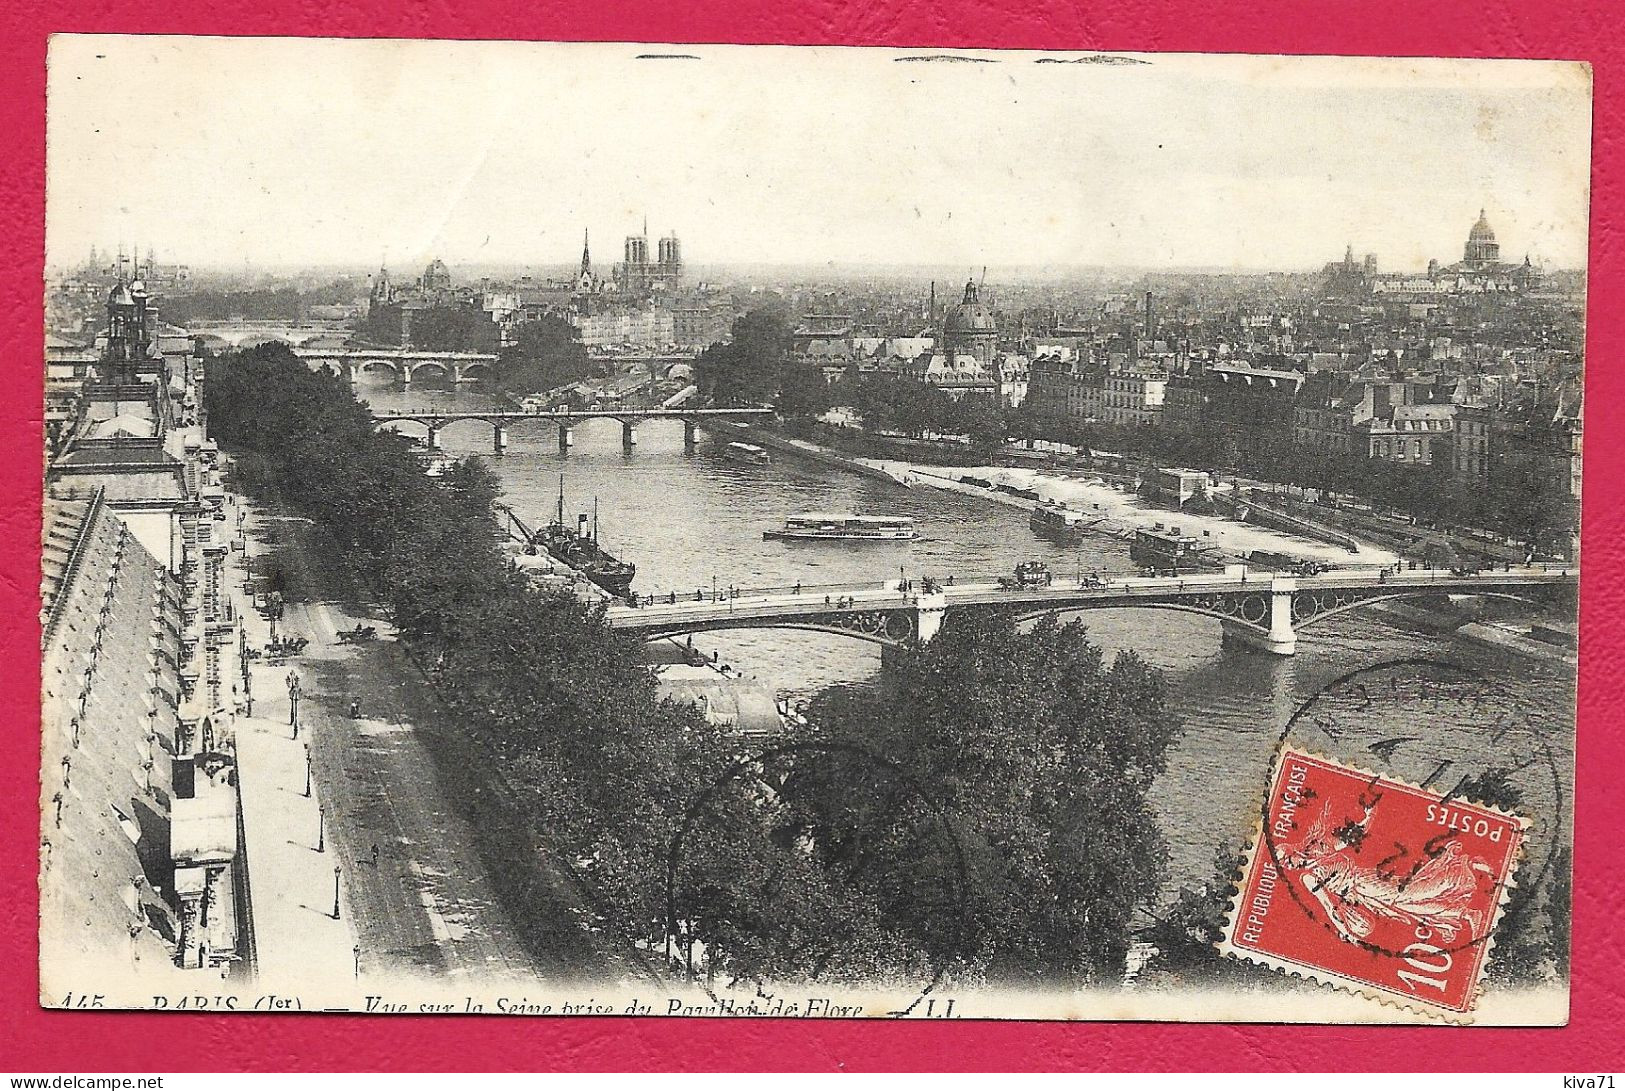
[
  {"x": 970, "y": 316},
  {"x": 1481, "y": 248}
]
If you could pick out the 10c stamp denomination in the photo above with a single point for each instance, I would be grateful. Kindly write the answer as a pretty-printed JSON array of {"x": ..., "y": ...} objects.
[{"x": 1367, "y": 883}]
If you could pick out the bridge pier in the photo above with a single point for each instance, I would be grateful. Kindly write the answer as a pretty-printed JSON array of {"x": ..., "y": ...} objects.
[
  {"x": 629, "y": 433},
  {"x": 929, "y": 611},
  {"x": 567, "y": 438},
  {"x": 690, "y": 435},
  {"x": 434, "y": 438},
  {"x": 1280, "y": 638},
  {"x": 499, "y": 438}
]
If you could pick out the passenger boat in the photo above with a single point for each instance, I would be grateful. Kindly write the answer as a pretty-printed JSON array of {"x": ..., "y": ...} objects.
[
  {"x": 1167, "y": 551},
  {"x": 578, "y": 547},
  {"x": 747, "y": 452},
  {"x": 822, "y": 526},
  {"x": 1057, "y": 520}
]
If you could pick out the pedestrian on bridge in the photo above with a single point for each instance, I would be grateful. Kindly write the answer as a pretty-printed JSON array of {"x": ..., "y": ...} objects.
[{"x": 798, "y": 587}]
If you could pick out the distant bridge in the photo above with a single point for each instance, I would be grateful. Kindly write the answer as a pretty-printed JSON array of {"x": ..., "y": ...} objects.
[
  {"x": 400, "y": 364},
  {"x": 249, "y": 334},
  {"x": 434, "y": 420},
  {"x": 1259, "y": 610}
]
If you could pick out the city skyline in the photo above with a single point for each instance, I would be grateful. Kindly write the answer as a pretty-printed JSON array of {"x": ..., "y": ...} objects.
[{"x": 401, "y": 151}]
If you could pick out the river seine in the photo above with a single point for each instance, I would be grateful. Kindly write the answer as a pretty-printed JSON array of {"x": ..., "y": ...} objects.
[{"x": 688, "y": 518}]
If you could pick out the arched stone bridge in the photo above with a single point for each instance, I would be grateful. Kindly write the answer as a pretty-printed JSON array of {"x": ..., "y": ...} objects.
[
  {"x": 402, "y": 364},
  {"x": 1258, "y": 610},
  {"x": 630, "y": 417},
  {"x": 230, "y": 334}
]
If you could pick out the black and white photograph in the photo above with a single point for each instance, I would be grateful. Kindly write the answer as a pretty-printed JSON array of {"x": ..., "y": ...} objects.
[{"x": 810, "y": 532}]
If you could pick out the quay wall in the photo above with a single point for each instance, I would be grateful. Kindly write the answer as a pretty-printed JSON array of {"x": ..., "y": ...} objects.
[
  {"x": 1251, "y": 511},
  {"x": 810, "y": 451}
]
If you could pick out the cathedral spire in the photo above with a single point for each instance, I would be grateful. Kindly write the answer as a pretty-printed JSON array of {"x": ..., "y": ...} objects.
[{"x": 586, "y": 253}]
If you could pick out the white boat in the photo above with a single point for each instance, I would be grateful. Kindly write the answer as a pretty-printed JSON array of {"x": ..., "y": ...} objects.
[
  {"x": 748, "y": 452},
  {"x": 842, "y": 527}
]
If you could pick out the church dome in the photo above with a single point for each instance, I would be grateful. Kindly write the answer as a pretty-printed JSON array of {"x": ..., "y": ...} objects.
[
  {"x": 1481, "y": 248},
  {"x": 970, "y": 316}
]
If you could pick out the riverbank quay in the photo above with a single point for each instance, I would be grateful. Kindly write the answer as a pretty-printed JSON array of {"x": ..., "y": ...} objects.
[
  {"x": 1407, "y": 538},
  {"x": 457, "y": 885},
  {"x": 1248, "y": 509},
  {"x": 804, "y": 449},
  {"x": 1115, "y": 511}
]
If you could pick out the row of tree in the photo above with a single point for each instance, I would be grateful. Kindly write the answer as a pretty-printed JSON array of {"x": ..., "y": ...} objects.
[
  {"x": 981, "y": 815},
  {"x": 285, "y": 304},
  {"x": 1519, "y": 496}
]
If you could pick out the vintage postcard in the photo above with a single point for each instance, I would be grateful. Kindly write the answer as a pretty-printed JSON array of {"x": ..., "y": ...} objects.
[{"x": 810, "y": 532}]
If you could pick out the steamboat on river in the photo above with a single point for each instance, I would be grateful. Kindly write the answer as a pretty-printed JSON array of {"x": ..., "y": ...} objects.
[
  {"x": 1166, "y": 552},
  {"x": 1055, "y": 520},
  {"x": 579, "y": 547},
  {"x": 834, "y": 527}
]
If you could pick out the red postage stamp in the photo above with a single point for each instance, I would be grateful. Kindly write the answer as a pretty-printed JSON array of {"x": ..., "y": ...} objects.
[{"x": 1371, "y": 884}]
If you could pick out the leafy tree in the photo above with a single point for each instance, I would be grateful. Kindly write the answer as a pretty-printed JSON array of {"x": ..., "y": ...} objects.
[
  {"x": 802, "y": 391},
  {"x": 1559, "y": 909},
  {"x": 453, "y": 328},
  {"x": 749, "y": 367},
  {"x": 546, "y": 354},
  {"x": 1037, "y": 756},
  {"x": 1186, "y": 931}
]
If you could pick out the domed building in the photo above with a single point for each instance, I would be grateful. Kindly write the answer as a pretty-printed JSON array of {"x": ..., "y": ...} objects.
[
  {"x": 969, "y": 329},
  {"x": 1482, "y": 249},
  {"x": 1480, "y": 271},
  {"x": 436, "y": 278}
]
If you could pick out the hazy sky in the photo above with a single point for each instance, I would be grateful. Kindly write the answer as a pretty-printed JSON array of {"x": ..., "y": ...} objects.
[{"x": 308, "y": 151}]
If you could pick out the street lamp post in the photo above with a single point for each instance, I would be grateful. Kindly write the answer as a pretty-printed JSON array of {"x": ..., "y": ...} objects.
[
  {"x": 335, "y": 892},
  {"x": 321, "y": 829},
  {"x": 356, "y": 951},
  {"x": 307, "y": 770}
]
